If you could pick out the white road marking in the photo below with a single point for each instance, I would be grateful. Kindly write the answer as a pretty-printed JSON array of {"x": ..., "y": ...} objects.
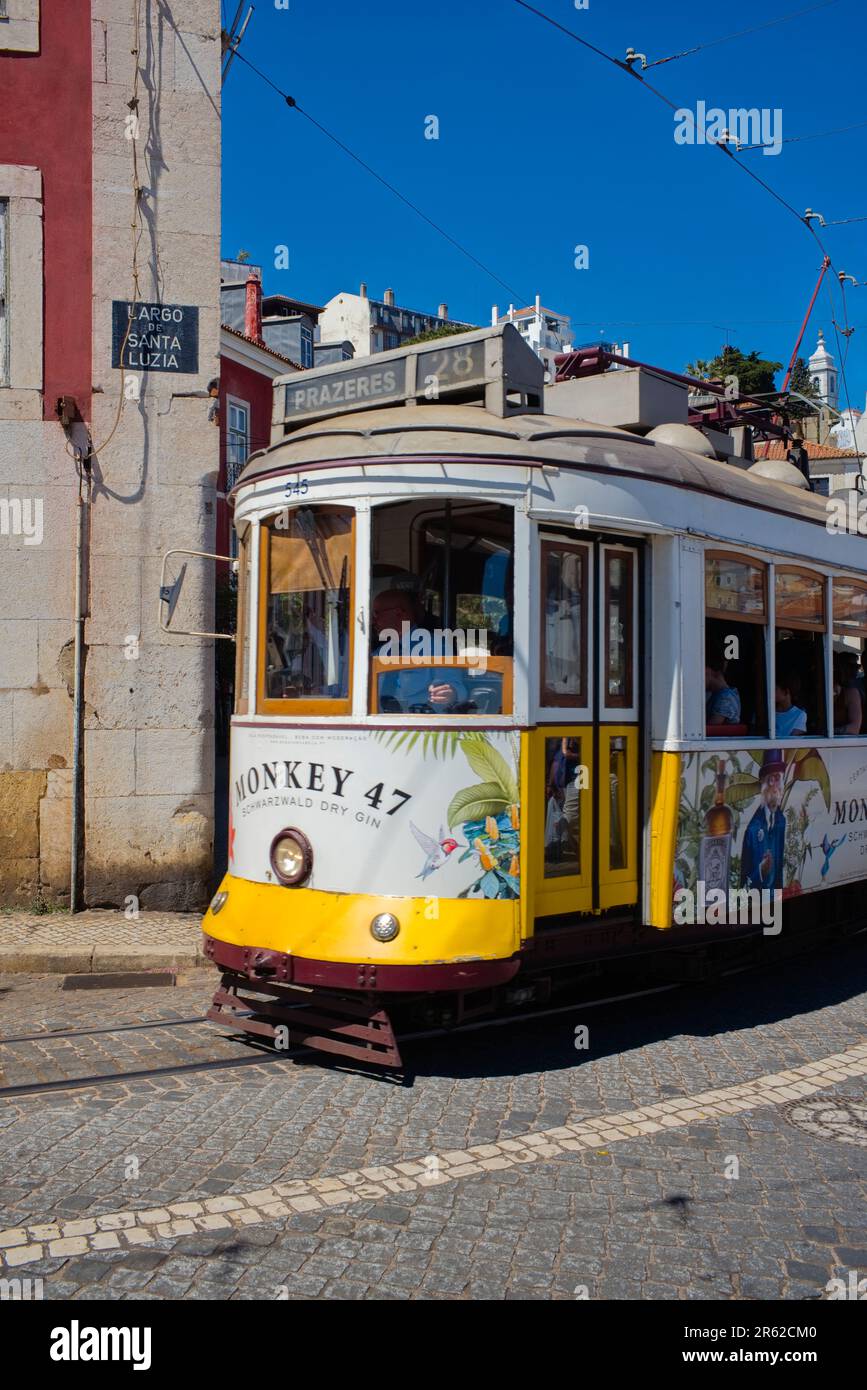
[{"x": 127, "y": 1229}]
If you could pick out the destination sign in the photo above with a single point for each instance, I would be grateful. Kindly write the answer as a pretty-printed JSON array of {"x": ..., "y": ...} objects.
[
  {"x": 445, "y": 367},
  {"x": 155, "y": 337},
  {"x": 372, "y": 384},
  {"x": 489, "y": 365}
]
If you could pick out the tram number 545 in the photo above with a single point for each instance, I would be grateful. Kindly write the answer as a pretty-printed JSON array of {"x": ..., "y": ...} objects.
[
  {"x": 375, "y": 794},
  {"x": 295, "y": 487}
]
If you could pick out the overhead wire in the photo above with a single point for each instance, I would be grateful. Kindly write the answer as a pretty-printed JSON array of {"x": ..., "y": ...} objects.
[
  {"x": 742, "y": 33},
  {"x": 798, "y": 139},
  {"x": 801, "y": 217},
  {"x": 292, "y": 103}
]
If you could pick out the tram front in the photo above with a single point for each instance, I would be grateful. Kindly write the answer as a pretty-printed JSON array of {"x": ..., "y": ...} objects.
[{"x": 375, "y": 806}]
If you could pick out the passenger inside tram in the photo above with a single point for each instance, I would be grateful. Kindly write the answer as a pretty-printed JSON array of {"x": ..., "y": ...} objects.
[
  {"x": 800, "y": 667},
  {"x": 722, "y": 701},
  {"x": 741, "y": 674},
  {"x": 848, "y": 706},
  {"x": 790, "y": 719}
]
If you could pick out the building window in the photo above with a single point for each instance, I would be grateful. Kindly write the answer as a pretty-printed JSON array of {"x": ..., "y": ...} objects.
[
  {"x": 19, "y": 29},
  {"x": 4, "y": 282},
  {"x": 390, "y": 340},
  {"x": 237, "y": 440},
  {"x": 306, "y": 346},
  {"x": 21, "y": 312}
]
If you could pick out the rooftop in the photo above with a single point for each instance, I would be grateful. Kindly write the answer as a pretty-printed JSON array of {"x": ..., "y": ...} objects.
[
  {"x": 778, "y": 449},
  {"x": 263, "y": 347}
]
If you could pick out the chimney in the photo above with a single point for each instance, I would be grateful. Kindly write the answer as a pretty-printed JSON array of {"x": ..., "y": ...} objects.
[
  {"x": 388, "y": 298},
  {"x": 363, "y": 290},
  {"x": 253, "y": 309},
  {"x": 443, "y": 311},
  {"x": 495, "y": 315}
]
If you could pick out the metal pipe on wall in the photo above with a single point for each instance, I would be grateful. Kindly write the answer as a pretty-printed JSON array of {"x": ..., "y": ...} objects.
[{"x": 80, "y": 606}]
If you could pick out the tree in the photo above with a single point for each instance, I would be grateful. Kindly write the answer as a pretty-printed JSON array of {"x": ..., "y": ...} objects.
[
  {"x": 446, "y": 331},
  {"x": 755, "y": 375},
  {"x": 803, "y": 383}
]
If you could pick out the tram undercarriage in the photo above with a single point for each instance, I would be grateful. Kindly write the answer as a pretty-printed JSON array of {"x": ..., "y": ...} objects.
[{"x": 565, "y": 965}]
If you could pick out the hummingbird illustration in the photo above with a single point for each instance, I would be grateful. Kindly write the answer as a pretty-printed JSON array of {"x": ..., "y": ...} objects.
[
  {"x": 436, "y": 851},
  {"x": 828, "y": 847}
]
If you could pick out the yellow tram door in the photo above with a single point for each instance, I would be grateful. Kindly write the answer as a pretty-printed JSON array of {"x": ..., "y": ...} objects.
[{"x": 582, "y": 759}]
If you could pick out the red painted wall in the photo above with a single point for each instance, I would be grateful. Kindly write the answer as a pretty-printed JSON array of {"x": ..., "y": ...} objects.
[
  {"x": 258, "y": 392},
  {"x": 46, "y": 121}
]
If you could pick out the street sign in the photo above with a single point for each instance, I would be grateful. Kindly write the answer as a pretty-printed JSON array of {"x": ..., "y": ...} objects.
[{"x": 159, "y": 337}]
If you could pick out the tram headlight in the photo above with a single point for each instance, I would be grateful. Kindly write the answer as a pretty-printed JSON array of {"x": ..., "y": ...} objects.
[
  {"x": 384, "y": 926},
  {"x": 291, "y": 857},
  {"x": 218, "y": 902}
]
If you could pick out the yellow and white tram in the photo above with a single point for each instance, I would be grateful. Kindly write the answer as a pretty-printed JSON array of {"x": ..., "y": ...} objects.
[{"x": 471, "y": 746}]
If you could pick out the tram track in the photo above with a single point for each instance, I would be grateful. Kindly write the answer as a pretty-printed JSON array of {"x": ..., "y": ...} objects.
[
  {"x": 49, "y": 1034},
  {"x": 268, "y": 1056}
]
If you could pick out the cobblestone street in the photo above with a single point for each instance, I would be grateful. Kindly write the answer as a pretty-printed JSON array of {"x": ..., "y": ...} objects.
[{"x": 671, "y": 1160}]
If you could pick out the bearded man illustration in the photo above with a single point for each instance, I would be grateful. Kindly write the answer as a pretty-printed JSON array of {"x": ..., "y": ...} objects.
[{"x": 763, "y": 852}]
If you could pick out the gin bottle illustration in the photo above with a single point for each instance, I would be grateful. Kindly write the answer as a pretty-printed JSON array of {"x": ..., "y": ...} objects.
[{"x": 715, "y": 848}]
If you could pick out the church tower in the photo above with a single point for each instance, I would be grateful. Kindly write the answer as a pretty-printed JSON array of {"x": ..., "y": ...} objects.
[{"x": 823, "y": 371}]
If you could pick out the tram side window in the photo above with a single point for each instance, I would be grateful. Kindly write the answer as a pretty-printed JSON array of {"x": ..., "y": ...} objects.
[
  {"x": 307, "y": 607},
  {"x": 242, "y": 634},
  {"x": 850, "y": 632},
  {"x": 799, "y": 637},
  {"x": 563, "y": 764},
  {"x": 564, "y": 624},
  {"x": 735, "y": 646},
  {"x": 441, "y": 608}
]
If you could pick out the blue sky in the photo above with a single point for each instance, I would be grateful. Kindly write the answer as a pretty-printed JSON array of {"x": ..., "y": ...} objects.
[{"x": 544, "y": 146}]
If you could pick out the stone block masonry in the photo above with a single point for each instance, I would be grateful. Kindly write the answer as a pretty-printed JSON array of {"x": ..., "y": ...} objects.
[{"x": 148, "y": 710}]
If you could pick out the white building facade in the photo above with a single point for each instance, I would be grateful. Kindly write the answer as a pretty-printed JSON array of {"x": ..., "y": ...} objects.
[{"x": 378, "y": 325}]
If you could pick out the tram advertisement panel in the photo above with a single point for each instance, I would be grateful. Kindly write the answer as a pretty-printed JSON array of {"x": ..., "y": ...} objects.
[
  {"x": 791, "y": 820},
  {"x": 414, "y": 812}
]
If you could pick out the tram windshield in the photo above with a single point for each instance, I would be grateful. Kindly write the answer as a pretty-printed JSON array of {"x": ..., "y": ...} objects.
[
  {"x": 442, "y": 608},
  {"x": 307, "y": 603}
]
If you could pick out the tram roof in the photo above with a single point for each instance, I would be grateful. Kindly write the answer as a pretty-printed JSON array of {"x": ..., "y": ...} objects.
[{"x": 473, "y": 434}]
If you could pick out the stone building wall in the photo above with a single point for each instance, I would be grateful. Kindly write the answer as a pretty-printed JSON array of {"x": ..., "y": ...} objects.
[{"x": 147, "y": 823}]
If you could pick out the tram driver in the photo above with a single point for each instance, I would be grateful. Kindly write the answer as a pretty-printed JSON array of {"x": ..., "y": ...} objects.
[{"x": 419, "y": 688}]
